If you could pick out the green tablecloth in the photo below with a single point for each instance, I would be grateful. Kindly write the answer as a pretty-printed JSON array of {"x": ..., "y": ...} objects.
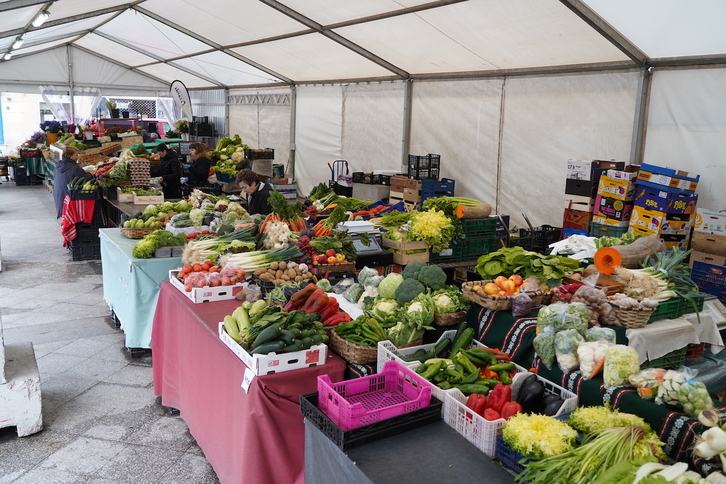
[
  {"x": 515, "y": 336},
  {"x": 35, "y": 166},
  {"x": 131, "y": 286}
]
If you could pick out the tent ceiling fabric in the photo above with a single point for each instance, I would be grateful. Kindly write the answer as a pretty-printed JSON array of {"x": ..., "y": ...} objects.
[{"x": 238, "y": 43}]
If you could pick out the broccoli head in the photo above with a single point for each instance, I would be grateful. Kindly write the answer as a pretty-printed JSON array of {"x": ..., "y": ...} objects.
[
  {"x": 411, "y": 270},
  {"x": 409, "y": 289},
  {"x": 432, "y": 276}
]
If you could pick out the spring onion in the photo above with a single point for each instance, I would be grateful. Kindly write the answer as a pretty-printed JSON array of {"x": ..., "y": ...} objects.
[
  {"x": 210, "y": 246},
  {"x": 250, "y": 261}
]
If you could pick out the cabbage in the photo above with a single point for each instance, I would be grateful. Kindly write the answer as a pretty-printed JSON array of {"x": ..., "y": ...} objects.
[
  {"x": 621, "y": 362},
  {"x": 389, "y": 284}
]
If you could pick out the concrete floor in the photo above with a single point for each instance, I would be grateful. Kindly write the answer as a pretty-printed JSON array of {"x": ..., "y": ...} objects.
[{"x": 102, "y": 422}]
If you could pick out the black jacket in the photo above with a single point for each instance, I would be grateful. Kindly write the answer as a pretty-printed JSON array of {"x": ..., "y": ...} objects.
[
  {"x": 170, "y": 170},
  {"x": 199, "y": 172},
  {"x": 259, "y": 202},
  {"x": 65, "y": 171}
]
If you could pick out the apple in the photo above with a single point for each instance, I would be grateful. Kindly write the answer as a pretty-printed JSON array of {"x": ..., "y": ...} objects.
[
  {"x": 499, "y": 280},
  {"x": 330, "y": 253},
  {"x": 340, "y": 257},
  {"x": 491, "y": 289},
  {"x": 516, "y": 279},
  {"x": 322, "y": 258},
  {"x": 508, "y": 286},
  {"x": 509, "y": 294},
  {"x": 332, "y": 260}
]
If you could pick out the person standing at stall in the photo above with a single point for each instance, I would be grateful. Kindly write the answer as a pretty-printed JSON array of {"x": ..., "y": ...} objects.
[
  {"x": 258, "y": 192},
  {"x": 66, "y": 170},
  {"x": 169, "y": 171},
  {"x": 200, "y": 165}
]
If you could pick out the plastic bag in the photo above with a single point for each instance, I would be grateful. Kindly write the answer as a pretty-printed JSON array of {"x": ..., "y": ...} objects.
[
  {"x": 620, "y": 363},
  {"x": 600, "y": 334},
  {"x": 353, "y": 292},
  {"x": 669, "y": 388},
  {"x": 521, "y": 305},
  {"x": 251, "y": 293},
  {"x": 343, "y": 285},
  {"x": 566, "y": 343},
  {"x": 647, "y": 382},
  {"x": 324, "y": 284},
  {"x": 589, "y": 354},
  {"x": 562, "y": 316},
  {"x": 694, "y": 397},
  {"x": 365, "y": 276},
  {"x": 544, "y": 345},
  {"x": 597, "y": 304}
]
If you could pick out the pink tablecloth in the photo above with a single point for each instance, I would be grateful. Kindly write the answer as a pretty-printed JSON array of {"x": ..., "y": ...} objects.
[{"x": 252, "y": 438}]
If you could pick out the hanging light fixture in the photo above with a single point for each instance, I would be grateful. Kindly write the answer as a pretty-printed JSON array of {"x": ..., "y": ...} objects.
[
  {"x": 18, "y": 42},
  {"x": 41, "y": 18}
]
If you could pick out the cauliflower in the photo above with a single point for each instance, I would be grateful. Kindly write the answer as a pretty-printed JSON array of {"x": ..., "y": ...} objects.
[
  {"x": 196, "y": 215},
  {"x": 238, "y": 156}
]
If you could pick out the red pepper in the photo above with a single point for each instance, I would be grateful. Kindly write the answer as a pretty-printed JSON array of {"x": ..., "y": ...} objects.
[
  {"x": 316, "y": 302},
  {"x": 341, "y": 317},
  {"x": 491, "y": 414},
  {"x": 499, "y": 395},
  {"x": 290, "y": 306},
  {"x": 477, "y": 402},
  {"x": 329, "y": 310},
  {"x": 509, "y": 409},
  {"x": 303, "y": 294}
]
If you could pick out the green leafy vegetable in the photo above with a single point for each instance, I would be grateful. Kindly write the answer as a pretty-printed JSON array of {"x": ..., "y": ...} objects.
[{"x": 515, "y": 260}]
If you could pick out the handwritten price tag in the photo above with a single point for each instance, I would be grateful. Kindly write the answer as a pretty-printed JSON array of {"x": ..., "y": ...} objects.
[{"x": 247, "y": 379}]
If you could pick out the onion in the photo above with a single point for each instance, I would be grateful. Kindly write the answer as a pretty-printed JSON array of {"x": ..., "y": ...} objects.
[
  {"x": 716, "y": 438},
  {"x": 709, "y": 417},
  {"x": 716, "y": 478},
  {"x": 704, "y": 450}
]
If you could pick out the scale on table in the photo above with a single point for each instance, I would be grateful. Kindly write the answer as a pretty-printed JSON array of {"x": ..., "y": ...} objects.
[{"x": 356, "y": 229}]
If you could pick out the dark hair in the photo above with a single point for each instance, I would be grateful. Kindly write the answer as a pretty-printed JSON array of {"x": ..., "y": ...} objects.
[
  {"x": 161, "y": 147},
  {"x": 69, "y": 151},
  {"x": 249, "y": 177},
  {"x": 200, "y": 150}
]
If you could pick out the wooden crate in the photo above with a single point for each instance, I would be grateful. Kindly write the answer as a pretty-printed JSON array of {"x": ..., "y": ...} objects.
[{"x": 399, "y": 251}]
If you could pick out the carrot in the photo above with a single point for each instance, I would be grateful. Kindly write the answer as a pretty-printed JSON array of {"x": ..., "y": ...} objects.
[
  {"x": 263, "y": 226},
  {"x": 533, "y": 370},
  {"x": 596, "y": 369}
]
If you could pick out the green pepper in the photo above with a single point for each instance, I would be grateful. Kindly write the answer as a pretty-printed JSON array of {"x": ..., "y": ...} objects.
[
  {"x": 468, "y": 389},
  {"x": 486, "y": 381},
  {"x": 481, "y": 356},
  {"x": 453, "y": 376},
  {"x": 466, "y": 363},
  {"x": 471, "y": 377},
  {"x": 444, "y": 385},
  {"x": 433, "y": 370},
  {"x": 504, "y": 377},
  {"x": 438, "y": 378},
  {"x": 422, "y": 367},
  {"x": 501, "y": 366}
]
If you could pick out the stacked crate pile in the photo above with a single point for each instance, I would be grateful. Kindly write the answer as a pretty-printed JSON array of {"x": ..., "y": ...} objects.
[
  {"x": 613, "y": 204},
  {"x": 708, "y": 259},
  {"x": 665, "y": 204},
  {"x": 581, "y": 187}
]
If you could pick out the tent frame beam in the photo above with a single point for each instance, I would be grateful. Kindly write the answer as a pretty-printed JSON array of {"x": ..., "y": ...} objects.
[{"x": 15, "y": 4}]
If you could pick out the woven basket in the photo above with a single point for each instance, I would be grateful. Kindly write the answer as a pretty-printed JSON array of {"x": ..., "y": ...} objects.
[
  {"x": 137, "y": 233},
  {"x": 112, "y": 148},
  {"x": 353, "y": 353},
  {"x": 448, "y": 319},
  {"x": 416, "y": 342},
  {"x": 633, "y": 318},
  {"x": 496, "y": 303}
]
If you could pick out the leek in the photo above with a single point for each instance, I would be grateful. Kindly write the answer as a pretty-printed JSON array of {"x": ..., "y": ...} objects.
[{"x": 249, "y": 261}]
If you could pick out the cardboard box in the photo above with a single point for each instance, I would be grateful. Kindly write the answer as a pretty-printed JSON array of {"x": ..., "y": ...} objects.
[
  {"x": 574, "y": 219},
  {"x": 699, "y": 256},
  {"x": 710, "y": 222},
  {"x": 124, "y": 197},
  {"x": 411, "y": 195},
  {"x": 675, "y": 241},
  {"x": 668, "y": 177},
  {"x": 276, "y": 363},
  {"x": 677, "y": 223},
  {"x": 623, "y": 175},
  {"x": 590, "y": 170},
  {"x": 656, "y": 222},
  {"x": 665, "y": 201},
  {"x": 709, "y": 243},
  {"x": 581, "y": 204},
  {"x": 398, "y": 183},
  {"x": 602, "y": 220},
  {"x": 145, "y": 199},
  {"x": 206, "y": 294},
  {"x": 612, "y": 208},
  {"x": 581, "y": 188},
  {"x": 615, "y": 188}
]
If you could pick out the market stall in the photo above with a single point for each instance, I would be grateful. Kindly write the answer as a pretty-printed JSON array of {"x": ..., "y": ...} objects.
[{"x": 248, "y": 426}]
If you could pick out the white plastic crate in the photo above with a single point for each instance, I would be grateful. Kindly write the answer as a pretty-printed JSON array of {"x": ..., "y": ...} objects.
[
  {"x": 206, "y": 293},
  {"x": 273, "y": 362},
  {"x": 483, "y": 433}
]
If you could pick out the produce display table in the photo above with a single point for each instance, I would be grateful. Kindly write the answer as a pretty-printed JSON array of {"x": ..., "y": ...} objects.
[
  {"x": 254, "y": 436},
  {"x": 501, "y": 330},
  {"x": 131, "y": 286},
  {"x": 114, "y": 209},
  {"x": 432, "y": 453}
]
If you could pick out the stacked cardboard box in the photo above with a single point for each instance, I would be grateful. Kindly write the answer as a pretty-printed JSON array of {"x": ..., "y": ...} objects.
[
  {"x": 405, "y": 190},
  {"x": 583, "y": 177},
  {"x": 665, "y": 204},
  {"x": 708, "y": 259},
  {"x": 614, "y": 203}
]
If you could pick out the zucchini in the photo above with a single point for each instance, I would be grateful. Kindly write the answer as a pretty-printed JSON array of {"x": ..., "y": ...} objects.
[
  {"x": 296, "y": 345},
  {"x": 268, "y": 334},
  {"x": 462, "y": 341},
  {"x": 441, "y": 346},
  {"x": 286, "y": 336},
  {"x": 317, "y": 338},
  {"x": 274, "y": 346},
  {"x": 307, "y": 342}
]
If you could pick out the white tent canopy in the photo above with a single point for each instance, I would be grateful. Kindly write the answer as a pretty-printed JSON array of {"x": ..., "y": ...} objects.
[{"x": 506, "y": 92}]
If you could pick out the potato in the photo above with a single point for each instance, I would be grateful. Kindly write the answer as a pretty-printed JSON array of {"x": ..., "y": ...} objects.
[
  {"x": 274, "y": 266},
  {"x": 306, "y": 276},
  {"x": 265, "y": 276},
  {"x": 260, "y": 270},
  {"x": 298, "y": 278},
  {"x": 286, "y": 278},
  {"x": 278, "y": 274},
  {"x": 291, "y": 273},
  {"x": 282, "y": 265}
]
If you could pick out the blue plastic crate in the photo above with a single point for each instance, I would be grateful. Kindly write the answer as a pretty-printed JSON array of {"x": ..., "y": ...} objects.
[
  {"x": 710, "y": 279},
  {"x": 443, "y": 185}
]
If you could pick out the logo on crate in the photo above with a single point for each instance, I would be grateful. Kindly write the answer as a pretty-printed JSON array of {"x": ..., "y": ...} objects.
[{"x": 312, "y": 356}]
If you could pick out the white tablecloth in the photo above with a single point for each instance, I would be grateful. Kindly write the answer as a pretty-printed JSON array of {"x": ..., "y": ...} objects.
[{"x": 661, "y": 337}]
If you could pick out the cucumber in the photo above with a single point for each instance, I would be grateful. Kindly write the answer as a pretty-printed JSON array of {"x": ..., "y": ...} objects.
[
  {"x": 307, "y": 342},
  {"x": 268, "y": 334},
  {"x": 441, "y": 346},
  {"x": 317, "y": 338},
  {"x": 296, "y": 345},
  {"x": 462, "y": 341},
  {"x": 274, "y": 346},
  {"x": 296, "y": 332},
  {"x": 287, "y": 336}
]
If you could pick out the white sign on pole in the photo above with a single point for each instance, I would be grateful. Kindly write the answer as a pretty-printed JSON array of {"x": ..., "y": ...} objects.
[{"x": 181, "y": 97}]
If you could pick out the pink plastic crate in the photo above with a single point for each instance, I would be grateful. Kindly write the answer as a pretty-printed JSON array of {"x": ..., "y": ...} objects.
[{"x": 353, "y": 403}]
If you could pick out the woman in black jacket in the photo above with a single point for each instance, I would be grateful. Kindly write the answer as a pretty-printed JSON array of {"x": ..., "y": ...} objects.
[
  {"x": 169, "y": 171},
  {"x": 66, "y": 170},
  {"x": 199, "y": 168},
  {"x": 258, "y": 192}
]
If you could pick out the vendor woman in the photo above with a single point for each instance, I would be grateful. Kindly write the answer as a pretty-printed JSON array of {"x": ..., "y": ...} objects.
[
  {"x": 258, "y": 192},
  {"x": 66, "y": 170}
]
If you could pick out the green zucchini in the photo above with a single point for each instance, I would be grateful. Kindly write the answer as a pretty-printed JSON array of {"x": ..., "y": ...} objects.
[
  {"x": 268, "y": 334},
  {"x": 287, "y": 336},
  {"x": 317, "y": 338},
  {"x": 462, "y": 341},
  {"x": 307, "y": 342},
  {"x": 296, "y": 345},
  {"x": 274, "y": 346}
]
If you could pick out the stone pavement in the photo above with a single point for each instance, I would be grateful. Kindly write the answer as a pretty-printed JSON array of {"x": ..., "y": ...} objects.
[{"x": 102, "y": 422}]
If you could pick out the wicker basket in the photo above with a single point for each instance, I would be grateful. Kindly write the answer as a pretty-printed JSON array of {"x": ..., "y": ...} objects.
[
  {"x": 497, "y": 303},
  {"x": 112, "y": 148},
  {"x": 137, "y": 233},
  {"x": 416, "y": 342},
  {"x": 448, "y": 319},
  {"x": 633, "y": 318},
  {"x": 353, "y": 353}
]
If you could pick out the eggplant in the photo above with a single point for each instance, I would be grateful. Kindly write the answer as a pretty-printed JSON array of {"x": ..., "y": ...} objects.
[
  {"x": 531, "y": 378},
  {"x": 539, "y": 407},
  {"x": 529, "y": 396},
  {"x": 553, "y": 407}
]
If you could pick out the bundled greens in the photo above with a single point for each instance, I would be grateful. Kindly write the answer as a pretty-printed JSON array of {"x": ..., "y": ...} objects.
[
  {"x": 608, "y": 241},
  {"x": 146, "y": 247},
  {"x": 516, "y": 260},
  {"x": 432, "y": 227}
]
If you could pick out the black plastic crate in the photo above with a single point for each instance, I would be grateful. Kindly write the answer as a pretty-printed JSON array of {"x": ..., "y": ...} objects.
[
  {"x": 382, "y": 429},
  {"x": 422, "y": 167},
  {"x": 85, "y": 251},
  {"x": 537, "y": 239},
  {"x": 266, "y": 154},
  {"x": 341, "y": 190},
  {"x": 99, "y": 220},
  {"x": 94, "y": 195},
  {"x": 359, "y": 177},
  {"x": 378, "y": 179},
  {"x": 85, "y": 235}
]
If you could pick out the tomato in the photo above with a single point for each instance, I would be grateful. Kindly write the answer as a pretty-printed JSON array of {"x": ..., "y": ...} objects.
[
  {"x": 215, "y": 282},
  {"x": 208, "y": 264},
  {"x": 188, "y": 287},
  {"x": 214, "y": 269},
  {"x": 234, "y": 279},
  {"x": 197, "y": 267},
  {"x": 205, "y": 232},
  {"x": 187, "y": 268},
  {"x": 226, "y": 281}
]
